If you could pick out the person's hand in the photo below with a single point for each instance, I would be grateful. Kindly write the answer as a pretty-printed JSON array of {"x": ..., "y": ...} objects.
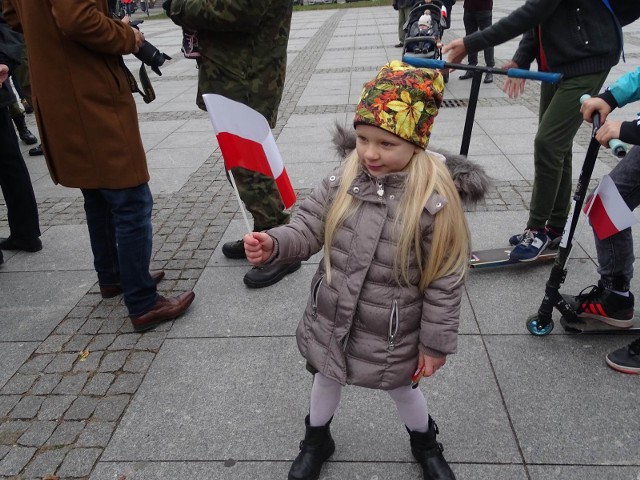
[
  {"x": 513, "y": 86},
  {"x": 139, "y": 39},
  {"x": 258, "y": 246},
  {"x": 592, "y": 105},
  {"x": 608, "y": 131},
  {"x": 427, "y": 365},
  {"x": 139, "y": 35},
  {"x": 4, "y": 73},
  {"x": 456, "y": 50}
]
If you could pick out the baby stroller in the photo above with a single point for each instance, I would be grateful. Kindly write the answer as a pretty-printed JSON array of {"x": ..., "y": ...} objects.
[{"x": 424, "y": 29}]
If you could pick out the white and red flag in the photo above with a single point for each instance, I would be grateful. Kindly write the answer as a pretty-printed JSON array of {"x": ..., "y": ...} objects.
[
  {"x": 246, "y": 141},
  {"x": 607, "y": 211}
]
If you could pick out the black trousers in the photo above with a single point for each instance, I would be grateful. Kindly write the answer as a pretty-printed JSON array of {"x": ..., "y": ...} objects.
[{"x": 15, "y": 182}]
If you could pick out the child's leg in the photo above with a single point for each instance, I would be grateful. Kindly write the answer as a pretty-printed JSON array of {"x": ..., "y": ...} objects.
[
  {"x": 318, "y": 445},
  {"x": 325, "y": 398},
  {"x": 412, "y": 407}
]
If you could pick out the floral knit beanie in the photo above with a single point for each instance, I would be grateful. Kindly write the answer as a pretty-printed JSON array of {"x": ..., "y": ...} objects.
[{"x": 403, "y": 100}]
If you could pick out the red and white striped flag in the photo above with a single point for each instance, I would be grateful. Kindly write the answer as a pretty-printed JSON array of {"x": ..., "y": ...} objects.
[
  {"x": 246, "y": 141},
  {"x": 607, "y": 211}
]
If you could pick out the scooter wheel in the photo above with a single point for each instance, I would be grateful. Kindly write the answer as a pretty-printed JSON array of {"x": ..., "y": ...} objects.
[{"x": 533, "y": 325}]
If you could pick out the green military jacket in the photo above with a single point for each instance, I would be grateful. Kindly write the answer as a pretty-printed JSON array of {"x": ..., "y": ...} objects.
[{"x": 244, "y": 48}]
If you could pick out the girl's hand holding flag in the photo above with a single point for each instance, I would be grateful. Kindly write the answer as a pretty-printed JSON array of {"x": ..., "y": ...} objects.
[{"x": 258, "y": 246}]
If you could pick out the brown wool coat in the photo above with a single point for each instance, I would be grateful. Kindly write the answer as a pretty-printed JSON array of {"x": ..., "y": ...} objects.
[
  {"x": 85, "y": 111},
  {"x": 348, "y": 330}
]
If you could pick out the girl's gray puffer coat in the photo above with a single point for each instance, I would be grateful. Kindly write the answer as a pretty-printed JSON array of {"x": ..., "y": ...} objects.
[{"x": 364, "y": 328}]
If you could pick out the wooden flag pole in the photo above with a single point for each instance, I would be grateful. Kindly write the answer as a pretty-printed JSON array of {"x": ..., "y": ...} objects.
[{"x": 244, "y": 213}]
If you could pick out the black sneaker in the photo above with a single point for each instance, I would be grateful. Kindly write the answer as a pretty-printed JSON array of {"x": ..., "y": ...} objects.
[
  {"x": 627, "y": 359},
  {"x": 234, "y": 249},
  {"x": 604, "y": 305}
]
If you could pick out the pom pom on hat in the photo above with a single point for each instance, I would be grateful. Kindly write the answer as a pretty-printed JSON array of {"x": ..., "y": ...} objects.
[
  {"x": 403, "y": 100},
  {"x": 424, "y": 20}
]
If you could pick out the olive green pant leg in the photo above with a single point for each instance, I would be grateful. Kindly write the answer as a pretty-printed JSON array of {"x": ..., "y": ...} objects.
[
  {"x": 559, "y": 120},
  {"x": 403, "y": 16},
  {"x": 21, "y": 74},
  {"x": 262, "y": 198}
]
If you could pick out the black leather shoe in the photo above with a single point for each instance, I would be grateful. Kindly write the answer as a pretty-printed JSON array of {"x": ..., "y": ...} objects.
[
  {"x": 488, "y": 78},
  {"x": 399, "y": 45},
  {"x": 13, "y": 243},
  {"x": 260, "y": 277},
  {"x": 27, "y": 108},
  {"x": 234, "y": 249},
  {"x": 110, "y": 291},
  {"x": 466, "y": 75},
  {"x": 26, "y": 136},
  {"x": 36, "y": 151},
  {"x": 164, "y": 310}
]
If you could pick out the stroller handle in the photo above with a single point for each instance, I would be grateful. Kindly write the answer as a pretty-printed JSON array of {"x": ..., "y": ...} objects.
[
  {"x": 511, "y": 72},
  {"x": 618, "y": 148}
]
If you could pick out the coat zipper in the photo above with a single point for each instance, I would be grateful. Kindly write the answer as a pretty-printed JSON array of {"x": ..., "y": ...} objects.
[
  {"x": 393, "y": 325},
  {"x": 316, "y": 292}
]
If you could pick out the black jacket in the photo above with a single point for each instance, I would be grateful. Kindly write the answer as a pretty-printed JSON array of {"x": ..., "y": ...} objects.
[
  {"x": 10, "y": 55},
  {"x": 579, "y": 37}
]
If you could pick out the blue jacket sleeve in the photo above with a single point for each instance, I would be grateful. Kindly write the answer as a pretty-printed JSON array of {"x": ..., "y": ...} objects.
[{"x": 626, "y": 89}]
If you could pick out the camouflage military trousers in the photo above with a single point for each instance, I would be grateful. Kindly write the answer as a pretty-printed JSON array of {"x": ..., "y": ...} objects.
[{"x": 261, "y": 197}]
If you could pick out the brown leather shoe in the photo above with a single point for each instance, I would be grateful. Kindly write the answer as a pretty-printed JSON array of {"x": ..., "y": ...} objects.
[
  {"x": 115, "y": 290},
  {"x": 165, "y": 309}
]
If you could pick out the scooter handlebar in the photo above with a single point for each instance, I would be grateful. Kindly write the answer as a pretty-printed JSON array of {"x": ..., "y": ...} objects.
[
  {"x": 546, "y": 77},
  {"x": 511, "y": 72},
  {"x": 618, "y": 148}
]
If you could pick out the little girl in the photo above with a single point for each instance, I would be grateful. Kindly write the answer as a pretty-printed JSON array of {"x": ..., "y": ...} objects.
[{"x": 385, "y": 300}]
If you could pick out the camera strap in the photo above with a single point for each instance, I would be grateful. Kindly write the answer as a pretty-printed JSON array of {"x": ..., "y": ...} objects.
[{"x": 147, "y": 92}]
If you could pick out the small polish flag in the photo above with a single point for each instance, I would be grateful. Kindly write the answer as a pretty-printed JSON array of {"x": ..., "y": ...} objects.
[
  {"x": 607, "y": 211},
  {"x": 246, "y": 141}
]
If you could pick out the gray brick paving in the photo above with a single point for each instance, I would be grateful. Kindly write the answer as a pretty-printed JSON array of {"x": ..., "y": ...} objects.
[{"x": 62, "y": 407}]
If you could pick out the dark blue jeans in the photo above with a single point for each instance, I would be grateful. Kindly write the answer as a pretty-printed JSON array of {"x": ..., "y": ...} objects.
[
  {"x": 120, "y": 230},
  {"x": 615, "y": 254}
]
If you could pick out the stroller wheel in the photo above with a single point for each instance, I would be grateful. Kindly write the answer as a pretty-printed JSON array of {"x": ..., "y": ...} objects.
[{"x": 533, "y": 325}]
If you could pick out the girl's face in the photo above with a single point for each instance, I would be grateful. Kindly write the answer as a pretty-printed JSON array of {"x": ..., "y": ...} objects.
[{"x": 382, "y": 152}]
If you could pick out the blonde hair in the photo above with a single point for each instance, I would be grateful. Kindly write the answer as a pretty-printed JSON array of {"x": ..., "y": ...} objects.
[{"x": 449, "y": 252}]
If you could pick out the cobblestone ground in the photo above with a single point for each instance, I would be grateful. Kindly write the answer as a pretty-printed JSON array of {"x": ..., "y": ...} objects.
[{"x": 60, "y": 409}]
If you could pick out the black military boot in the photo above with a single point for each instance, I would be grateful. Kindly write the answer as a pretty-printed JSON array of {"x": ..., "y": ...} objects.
[
  {"x": 315, "y": 449},
  {"x": 428, "y": 452},
  {"x": 23, "y": 132}
]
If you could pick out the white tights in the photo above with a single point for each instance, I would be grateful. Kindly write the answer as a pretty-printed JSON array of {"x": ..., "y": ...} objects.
[{"x": 326, "y": 393}]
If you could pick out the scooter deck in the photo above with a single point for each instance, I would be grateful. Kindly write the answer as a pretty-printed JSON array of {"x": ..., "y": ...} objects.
[
  {"x": 591, "y": 325},
  {"x": 499, "y": 257}
]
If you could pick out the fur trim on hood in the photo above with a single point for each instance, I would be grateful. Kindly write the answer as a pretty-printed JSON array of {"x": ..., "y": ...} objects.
[{"x": 469, "y": 178}]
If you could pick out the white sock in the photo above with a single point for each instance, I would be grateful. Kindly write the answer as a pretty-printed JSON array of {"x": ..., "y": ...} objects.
[{"x": 622, "y": 294}]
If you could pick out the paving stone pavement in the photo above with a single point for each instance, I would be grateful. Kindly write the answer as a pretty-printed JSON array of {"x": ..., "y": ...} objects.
[{"x": 217, "y": 394}]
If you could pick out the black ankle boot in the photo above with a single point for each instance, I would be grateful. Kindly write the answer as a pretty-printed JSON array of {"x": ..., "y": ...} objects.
[
  {"x": 23, "y": 132},
  {"x": 428, "y": 452},
  {"x": 315, "y": 449}
]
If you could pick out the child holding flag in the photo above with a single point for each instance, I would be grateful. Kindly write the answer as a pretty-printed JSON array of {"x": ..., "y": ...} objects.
[
  {"x": 611, "y": 301},
  {"x": 385, "y": 301}
]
